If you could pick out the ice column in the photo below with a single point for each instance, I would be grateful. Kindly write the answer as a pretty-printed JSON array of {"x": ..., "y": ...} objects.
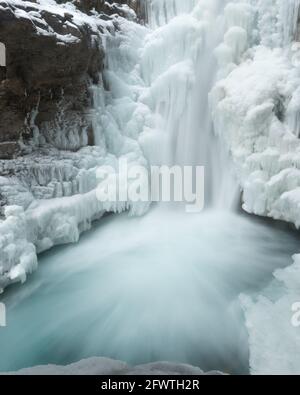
[{"x": 289, "y": 10}]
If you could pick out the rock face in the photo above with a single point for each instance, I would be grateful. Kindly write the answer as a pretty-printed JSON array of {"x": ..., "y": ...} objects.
[
  {"x": 111, "y": 7},
  {"x": 50, "y": 59},
  {"x": 53, "y": 52}
]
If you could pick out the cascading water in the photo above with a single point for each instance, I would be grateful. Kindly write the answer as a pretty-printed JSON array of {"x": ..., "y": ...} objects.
[
  {"x": 160, "y": 12},
  {"x": 180, "y": 67},
  {"x": 165, "y": 286}
]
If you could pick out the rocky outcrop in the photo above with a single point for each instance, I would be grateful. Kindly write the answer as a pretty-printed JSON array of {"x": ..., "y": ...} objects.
[
  {"x": 50, "y": 59},
  {"x": 48, "y": 158},
  {"x": 53, "y": 53},
  {"x": 111, "y": 7}
]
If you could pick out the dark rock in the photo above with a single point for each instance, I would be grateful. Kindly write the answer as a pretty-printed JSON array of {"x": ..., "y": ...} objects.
[
  {"x": 50, "y": 62},
  {"x": 2, "y": 73},
  {"x": 63, "y": 60},
  {"x": 8, "y": 149}
]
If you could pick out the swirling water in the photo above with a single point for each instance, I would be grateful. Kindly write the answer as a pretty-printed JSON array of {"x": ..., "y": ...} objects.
[
  {"x": 162, "y": 287},
  {"x": 165, "y": 286}
]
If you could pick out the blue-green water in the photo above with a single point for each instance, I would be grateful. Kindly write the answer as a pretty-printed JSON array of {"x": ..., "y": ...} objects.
[{"x": 162, "y": 287}]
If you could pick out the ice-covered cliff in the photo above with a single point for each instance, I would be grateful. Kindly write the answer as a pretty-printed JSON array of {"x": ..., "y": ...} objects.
[
  {"x": 121, "y": 90},
  {"x": 255, "y": 105},
  {"x": 57, "y": 122}
]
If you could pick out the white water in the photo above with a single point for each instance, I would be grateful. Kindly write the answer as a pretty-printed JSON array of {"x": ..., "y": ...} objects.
[{"x": 165, "y": 286}]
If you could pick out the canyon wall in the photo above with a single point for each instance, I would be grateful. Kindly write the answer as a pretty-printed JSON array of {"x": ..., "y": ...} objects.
[
  {"x": 55, "y": 60},
  {"x": 52, "y": 56}
]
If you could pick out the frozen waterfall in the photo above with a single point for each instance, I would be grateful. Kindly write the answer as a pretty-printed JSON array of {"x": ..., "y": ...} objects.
[
  {"x": 179, "y": 66},
  {"x": 159, "y": 78},
  {"x": 188, "y": 88}
]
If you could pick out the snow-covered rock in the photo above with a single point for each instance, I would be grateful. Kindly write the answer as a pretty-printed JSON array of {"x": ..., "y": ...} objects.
[{"x": 76, "y": 125}]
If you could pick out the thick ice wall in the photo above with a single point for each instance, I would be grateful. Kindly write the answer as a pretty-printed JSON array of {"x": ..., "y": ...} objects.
[{"x": 256, "y": 110}]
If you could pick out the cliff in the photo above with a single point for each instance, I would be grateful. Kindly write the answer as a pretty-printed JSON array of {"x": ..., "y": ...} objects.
[
  {"x": 53, "y": 52},
  {"x": 55, "y": 60}
]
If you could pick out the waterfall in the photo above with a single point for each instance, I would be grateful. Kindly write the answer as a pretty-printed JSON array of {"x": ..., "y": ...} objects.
[
  {"x": 289, "y": 13},
  {"x": 160, "y": 12},
  {"x": 156, "y": 107},
  {"x": 180, "y": 67},
  {"x": 169, "y": 286}
]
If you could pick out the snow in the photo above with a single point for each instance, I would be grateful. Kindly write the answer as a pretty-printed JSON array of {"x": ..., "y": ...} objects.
[
  {"x": 104, "y": 366},
  {"x": 33, "y": 12},
  {"x": 274, "y": 340}
]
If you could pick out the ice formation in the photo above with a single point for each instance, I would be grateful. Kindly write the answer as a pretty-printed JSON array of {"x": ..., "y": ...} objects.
[
  {"x": 17, "y": 254},
  {"x": 255, "y": 106},
  {"x": 156, "y": 77},
  {"x": 273, "y": 337},
  {"x": 255, "y": 111},
  {"x": 149, "y": 95},
  {"x": 57, "y": 189}
]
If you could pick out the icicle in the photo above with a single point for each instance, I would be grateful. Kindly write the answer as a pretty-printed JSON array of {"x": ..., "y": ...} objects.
[
  {"x": 239, "y": 15},
  {"x": 290, "y": 19},
  {"x": 293, "y": 114},
  {"x": 236, "y": 39},
  {"x": 160, "y": 12}
]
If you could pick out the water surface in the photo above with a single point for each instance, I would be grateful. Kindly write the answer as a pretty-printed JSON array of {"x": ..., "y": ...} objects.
[{"x": 162, "y": 287}]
